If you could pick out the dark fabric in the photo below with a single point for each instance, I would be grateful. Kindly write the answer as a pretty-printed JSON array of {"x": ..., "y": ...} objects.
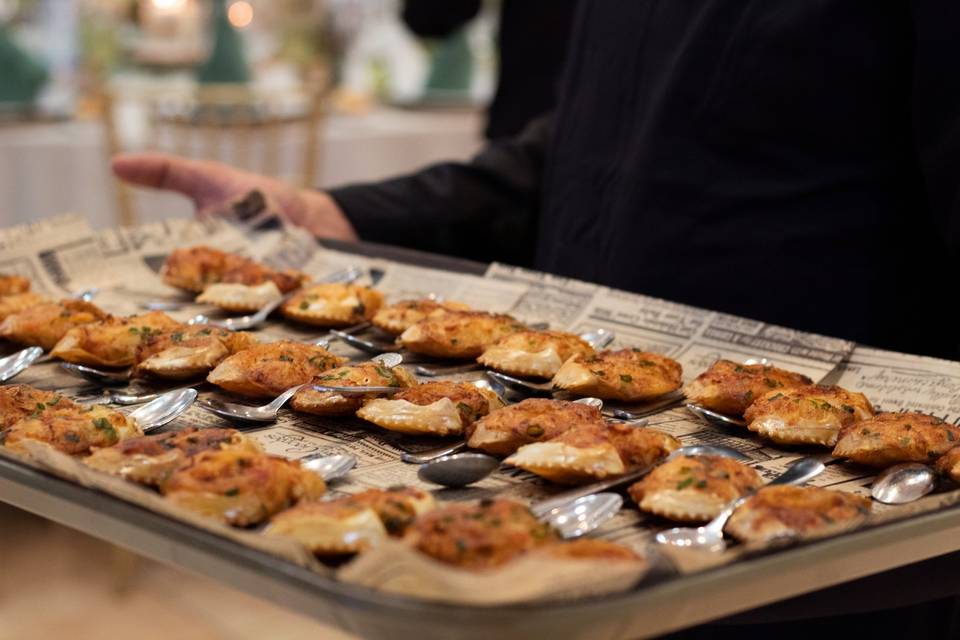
[
  {"x": 532, "y": 39},
  {"x": 795, "y": 162}
]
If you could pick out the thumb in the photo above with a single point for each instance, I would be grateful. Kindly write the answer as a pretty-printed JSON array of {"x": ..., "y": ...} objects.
[{"x": 201, "y": 181}]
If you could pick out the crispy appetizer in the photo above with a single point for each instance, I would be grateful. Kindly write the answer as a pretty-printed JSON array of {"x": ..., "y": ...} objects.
[
  {"x": 43, "y": 325},
  {"x": 188, "y": 351},
  {"x": 785, "y": 511},
  {"x": 812, "y": 414},
  {"x": 694, "y": 488},
  {"x": 729, "y": 388},
  {"x": 458, "y": 334},
  {"x": 593, "y": 452},
  {"x": 151, "y": 459},
  {"x": 240, "y": 487},
  {"x": 19, "y": 401},
  {"x": 505, "y": 430},
  {"x": 400, "y": 316},
  {"x": 240, "y": 298},
  {"x": 333, "y": 305},
  {"x": 480, "y": 535},
  {"x": 949, "y": 464},
  {"x": 69, "y": 427},
  {"x": 17, "y": 302},
  {"x": 195, "y": 268},
  {"x": 590, "y": 549},
  {"x": 112, "y": 342},
  {"x": 439, "y": 408},
  {"x": 534, "y": 353},
  {"x": 267, "y": 370},
  {"x": 328, "y": 403},
  {"x": 11, "y": 284},
  {"x": 889, "y": 438},
  {"x": 352, "y": 524},
  {"x": 629, "y": 375}
]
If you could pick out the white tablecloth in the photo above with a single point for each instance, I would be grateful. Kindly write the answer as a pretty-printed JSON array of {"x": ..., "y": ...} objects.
[{"x": 46, "y": 169}]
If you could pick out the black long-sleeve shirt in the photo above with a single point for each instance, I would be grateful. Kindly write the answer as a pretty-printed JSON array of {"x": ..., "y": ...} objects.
[{"x": 796, "y": 162}]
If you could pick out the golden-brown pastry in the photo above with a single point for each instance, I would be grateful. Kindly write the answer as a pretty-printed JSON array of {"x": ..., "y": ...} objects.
[
  {"x": 352, "y": 524},
  {"x": 17, "y": 302},
  {"x": 328, "y": 403},
  {"x": 438, "y": 408},
  {"x": 593, "y": 452},
  {"x": 19, "y": 401},
  {"x": 812, "y": 414},
  {"x": 398, "y": 317},
  {"x": 240, "y": 298},
  {"x": 43, "y": 325},
  {"x": 534, "y": 353},
  {"x": 629, "y": 375},
  {"x": 480, "y": 535},
  {"x": 333, "y": 305},
  {"x": 69, "y": 427},
  {"x": 458, "y": 334},
  {"x": 151, "y": 459},
  {"x": 112, "y": 342},
  {"x": 505, "y": 430},
  {"x": 188, "y": 351},
  {"x": 240, "y": 487},
  {"x": 267, "y": 370},
  {"x": 590, "y": 549},
  {"x": 694, "y": 488},
  {"x": 949, "y": 464},
  {"x": 784, "y": 511},
  {"x": 11, "y": 284},
  {"x": 194, "y": 268},
  {"x": 729, "y": 387},
  {"x": 889, "y": 438}
]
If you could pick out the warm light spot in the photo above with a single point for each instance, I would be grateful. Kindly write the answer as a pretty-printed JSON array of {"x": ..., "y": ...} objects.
[
  {"x": 168, "y": 5},
  {"x": 240, "y": 14}
]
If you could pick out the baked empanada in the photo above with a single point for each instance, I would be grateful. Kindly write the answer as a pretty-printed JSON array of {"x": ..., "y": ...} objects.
[
  {"x": 439, "y": 408},
  {"x": 333, "y": 305},
  {"x": 17, "y": 302},
  {"x": 889, "y": 438},
  {"x": 194, "y": 268},
  {"x": 267, "y": 370},
  {"x": 398, "y": 317},
  {"x": 240, "y": 487},
  {"x": 729, "y": 388},
  {"x": 458, "y": 334},
  {"x": 240, "y": 298},
  {"x": 812, "y": 414},
  {"x": 43, "y": 325},
  {"x": 534, "y": 353},
  {"x": 150, "y": 460},
  {"x": 694, "y": 488},
  {"x": 629, "y": 375},
  {"x": 949, "y": 464},
  {"x": 480, "y": 535},
  {"x": 11, "y": 284},
  {"x": 505, "y": 430},
  {"x": 19, "y": 401},
  {"x": 593, "y": 452},
  {"x": 71, "y": 428},
  {"x": 112, "y": 342},
  {"x": 188, "y": 351},
  {"x": 328, "y": 403},
  {"x": 785, "y": 511},
  {"x": 352, "y": 524}
]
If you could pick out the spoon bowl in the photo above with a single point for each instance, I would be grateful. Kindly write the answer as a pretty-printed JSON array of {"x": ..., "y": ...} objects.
[
  {"x": 329, "y": 468},
  {"x": 583, "y": 515},
  {"x": 98, "y": 376},
  {"x": 248, "y": 413},
  {"x": 162, "y": 410},
  {"x": 903, "y": 483},
  {"x": 458, "y": 470},
  {"x": 14, "y": 364},
  {"x": 367, "y": 346}
]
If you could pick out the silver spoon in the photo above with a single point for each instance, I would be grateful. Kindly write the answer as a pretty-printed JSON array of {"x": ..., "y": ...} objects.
[
  {"x": 570, "y": 495},
  {"x": 458, "y": 470},
  {"x": 99, "y": 376},
  {"x": 583, "y": 515},
  {"x": 161, "y": 305},
  {"x": 241, "y": 323},
  {"x": 14, "y": 364},
  {"x": 367, "y": 346},
  {"x": 126, "y": 399},
  {"x": 329, "y": 467},
  {"x": 86, "y": 294},
  {"x": 432, "y": 454},
  {"x": 709, "y": 415},
  {"x": 236, "y": 411},
  {"x": 903, "y": 483},
  {"x": 163, "y": 409},
  {"x": 710, "y": 536}
]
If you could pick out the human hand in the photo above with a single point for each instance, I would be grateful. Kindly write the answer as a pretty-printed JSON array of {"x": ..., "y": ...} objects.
[{"x": 211, "y": 184}]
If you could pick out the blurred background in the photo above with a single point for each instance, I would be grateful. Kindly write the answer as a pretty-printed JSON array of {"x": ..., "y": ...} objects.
[{"x": 317, "y": 92}]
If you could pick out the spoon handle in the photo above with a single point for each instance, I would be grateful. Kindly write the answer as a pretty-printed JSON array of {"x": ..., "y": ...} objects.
[
  {"x": 544, "y": 506},
  {"x": 281, "y": 399},
  {"x": 433, "y": 454}
]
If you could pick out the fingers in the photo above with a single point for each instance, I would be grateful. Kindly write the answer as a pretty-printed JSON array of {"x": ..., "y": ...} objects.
[{"x": 195, "y": 179}]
